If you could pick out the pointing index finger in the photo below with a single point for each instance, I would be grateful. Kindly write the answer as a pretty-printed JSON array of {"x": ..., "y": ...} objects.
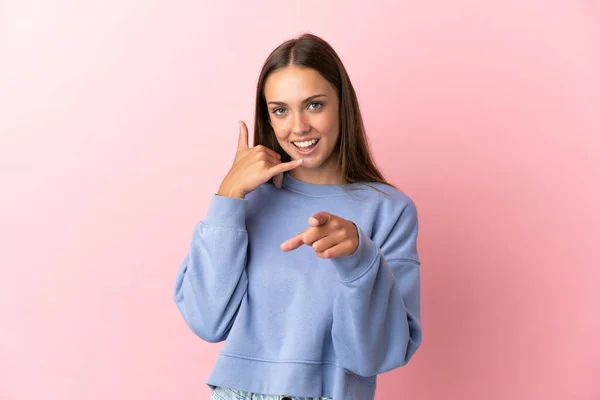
[{"x": 293, "y": 243}]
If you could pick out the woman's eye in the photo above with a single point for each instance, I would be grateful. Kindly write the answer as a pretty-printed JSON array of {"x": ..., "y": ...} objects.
[
  {"x": 315, "y": 106},
  {"x": 278, "y": 111}
]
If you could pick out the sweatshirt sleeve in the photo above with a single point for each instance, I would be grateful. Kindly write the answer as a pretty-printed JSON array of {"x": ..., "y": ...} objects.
[
  {"x": 376, "y": 313},
  {"x": 212, "y": 279}
]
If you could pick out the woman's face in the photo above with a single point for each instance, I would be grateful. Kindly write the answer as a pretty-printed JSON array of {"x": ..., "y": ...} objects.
[{"x": 304, "y": 113}]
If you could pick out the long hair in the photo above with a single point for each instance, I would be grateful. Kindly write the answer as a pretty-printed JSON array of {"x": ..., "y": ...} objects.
[{"x": 354, "y": 158}]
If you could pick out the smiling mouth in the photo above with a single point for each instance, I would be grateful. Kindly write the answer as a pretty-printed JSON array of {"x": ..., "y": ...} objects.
[{"x": 306, "y": 144}]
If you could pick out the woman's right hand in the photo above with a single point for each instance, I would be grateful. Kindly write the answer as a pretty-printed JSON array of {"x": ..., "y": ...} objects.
[{"x": 252, "y": 167}]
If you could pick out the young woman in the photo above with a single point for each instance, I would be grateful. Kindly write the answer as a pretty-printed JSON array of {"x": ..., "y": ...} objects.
[{"x": 306, "y": 262}]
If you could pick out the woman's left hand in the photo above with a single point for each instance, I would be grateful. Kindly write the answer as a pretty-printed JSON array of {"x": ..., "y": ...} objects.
[{"x": 329, "y": 235}]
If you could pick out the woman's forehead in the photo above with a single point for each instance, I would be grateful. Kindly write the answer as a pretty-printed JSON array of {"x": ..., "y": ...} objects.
[{"x": 295, "y": 84}]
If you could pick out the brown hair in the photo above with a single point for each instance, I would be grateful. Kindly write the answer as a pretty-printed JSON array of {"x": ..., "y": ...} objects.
[{"x": 310, "y": 51}]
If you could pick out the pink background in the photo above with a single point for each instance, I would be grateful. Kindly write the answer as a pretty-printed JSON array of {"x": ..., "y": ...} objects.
[{"x": 118, "y": 121}]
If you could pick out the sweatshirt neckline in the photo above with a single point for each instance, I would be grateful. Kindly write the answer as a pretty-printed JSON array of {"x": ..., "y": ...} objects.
[{"x": 313, "y": 189}]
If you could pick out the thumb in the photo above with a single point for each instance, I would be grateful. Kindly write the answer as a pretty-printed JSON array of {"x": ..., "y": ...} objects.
[
  {"x": 243, "y": 139},
  {"x": 319, "y": 219}
]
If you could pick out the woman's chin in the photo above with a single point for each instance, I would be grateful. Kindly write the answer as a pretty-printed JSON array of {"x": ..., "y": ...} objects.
[{"x": 309, "y": 163}]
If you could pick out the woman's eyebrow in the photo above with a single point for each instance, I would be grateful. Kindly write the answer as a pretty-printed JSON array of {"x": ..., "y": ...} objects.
[{"x": 307, "y": 100}]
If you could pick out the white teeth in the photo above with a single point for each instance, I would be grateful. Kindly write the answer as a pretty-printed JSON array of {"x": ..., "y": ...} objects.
[{"x": 306, "y": 144}]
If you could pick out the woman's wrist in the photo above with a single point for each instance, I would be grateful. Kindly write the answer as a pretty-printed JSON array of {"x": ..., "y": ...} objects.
[{"x": 227, "y": 191}]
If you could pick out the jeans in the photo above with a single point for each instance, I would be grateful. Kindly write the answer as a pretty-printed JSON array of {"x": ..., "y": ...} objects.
[{"x": 220, "y": 393}]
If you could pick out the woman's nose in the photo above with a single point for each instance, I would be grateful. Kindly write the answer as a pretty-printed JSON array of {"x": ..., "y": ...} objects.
[{"x": 300, "y": 124}]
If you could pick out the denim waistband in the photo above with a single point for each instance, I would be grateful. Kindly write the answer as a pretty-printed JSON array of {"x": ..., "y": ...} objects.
[{"x": 221, "y": 393}]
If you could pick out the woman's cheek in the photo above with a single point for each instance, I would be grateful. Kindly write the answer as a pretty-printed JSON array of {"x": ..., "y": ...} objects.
[{"x": 280, "y": 130}]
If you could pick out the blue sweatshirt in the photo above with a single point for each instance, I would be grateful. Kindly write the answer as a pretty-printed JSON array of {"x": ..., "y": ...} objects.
[{"x": 296, "y": 324}]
